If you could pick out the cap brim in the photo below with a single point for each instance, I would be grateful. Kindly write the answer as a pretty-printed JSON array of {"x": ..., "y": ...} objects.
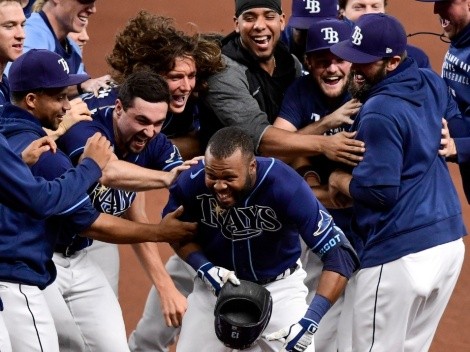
[
  {"x": 72, "y": 80},
  {"x": 302, "y": 22},
  {"x": 347, "y": 52}
]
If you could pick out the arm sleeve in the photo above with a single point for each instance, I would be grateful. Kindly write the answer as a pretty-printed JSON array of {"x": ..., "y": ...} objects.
[
  {"x": 380, "y": 197},
  {"x": 230, "y": 99},
  {"x": 21, "y": 191}
]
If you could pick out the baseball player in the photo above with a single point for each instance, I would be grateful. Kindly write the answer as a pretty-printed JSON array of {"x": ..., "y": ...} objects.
[
  {"x": 352, "y": 9},
  {"x": 249, "y": 226},
  {"x": 48, "y": 29},
  {"x": 303, "y": 15},
  {"x": 145, "y": 159},
  {"x": 319, "y": 103},
  {"x": 454, "y": 17},
  {"x": 22, "y": 122},
  {"x": 406, "y": 208}
]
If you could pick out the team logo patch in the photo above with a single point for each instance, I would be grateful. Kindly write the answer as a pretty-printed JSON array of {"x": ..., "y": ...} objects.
[
  {"x": 330, "y": 35},
  {"x": 324, "y": 223},
  {"x": 313, "y": 6},
  {"x": 357, "y": 36}
]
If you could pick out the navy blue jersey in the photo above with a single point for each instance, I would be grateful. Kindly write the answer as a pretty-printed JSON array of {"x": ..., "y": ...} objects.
[
  {"x": 402, "y": 153},
  {"x": 32, "y": 241},
  {"x": 303, "y": 104},
  {"x": 175, "y": 124},
  {"x": 258, "y": 238},
  {"x": 159, "y": 154}
]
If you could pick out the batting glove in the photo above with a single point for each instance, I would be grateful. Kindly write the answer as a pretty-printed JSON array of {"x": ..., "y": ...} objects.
[
  {"x": 297, "y": 337},
  {"x": 215, "y": 277}
]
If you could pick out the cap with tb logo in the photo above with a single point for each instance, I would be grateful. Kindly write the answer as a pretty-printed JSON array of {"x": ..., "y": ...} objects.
[
  {"x": 374, "y": 37},
  {"x": 325, "y": 33},
  {"x": 41, "y": 69}
]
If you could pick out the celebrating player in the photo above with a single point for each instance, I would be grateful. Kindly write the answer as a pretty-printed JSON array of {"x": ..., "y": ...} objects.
[
  {"x": 406, "y": 208},
  {"x": 249, "y": 226},
  {"x": 40, "y": 100}
]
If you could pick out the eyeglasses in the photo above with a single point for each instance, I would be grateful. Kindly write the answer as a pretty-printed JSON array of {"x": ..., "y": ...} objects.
[{"x": 86, "y": 2}]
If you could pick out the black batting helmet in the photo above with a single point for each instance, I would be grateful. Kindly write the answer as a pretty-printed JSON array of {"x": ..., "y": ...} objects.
[{"x": 242, "y": 313}]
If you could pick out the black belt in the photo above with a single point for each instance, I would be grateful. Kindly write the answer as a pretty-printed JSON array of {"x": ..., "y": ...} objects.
[
  {"x": 282, "y": 275},
  {"x": 66, "y": 251}
]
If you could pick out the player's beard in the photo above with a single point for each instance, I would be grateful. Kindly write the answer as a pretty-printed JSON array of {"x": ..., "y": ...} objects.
[
  {"x": 361, "y": 92},
  {"x": 237, "y": 195}
]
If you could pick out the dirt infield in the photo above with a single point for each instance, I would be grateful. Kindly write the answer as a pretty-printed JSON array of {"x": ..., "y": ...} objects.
[{"x": 215, "y": 15}]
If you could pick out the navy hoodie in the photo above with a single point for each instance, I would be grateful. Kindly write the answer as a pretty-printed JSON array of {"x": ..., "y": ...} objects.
[
  {"x": 400, "y": 123},
  {"x": 27, "y": 243}
]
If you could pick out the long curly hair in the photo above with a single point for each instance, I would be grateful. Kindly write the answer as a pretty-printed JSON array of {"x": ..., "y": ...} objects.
[{"x": 152, "y": 42}]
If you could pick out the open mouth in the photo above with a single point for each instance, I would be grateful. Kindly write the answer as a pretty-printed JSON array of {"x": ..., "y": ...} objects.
[
  {"x": 83, "y": 20},
  {"x": 331, "y": 81},
  {"x": 262, "y": 41},
  {"x": 179, "y": 100},
  {"x": 358, "y": 78}
]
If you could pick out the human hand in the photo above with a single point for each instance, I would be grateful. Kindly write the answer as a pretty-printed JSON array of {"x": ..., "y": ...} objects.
[
  {"x": 173, "y": 230},
  {"x": 99, "y": 149},
  {"x": 448, "y": 148},
  {"x": 173, "y": 305},
  {"x": 173, "y": 173},
  {"x": 215, "y": 277},
  {"x": 32, "y": 152},
  {"x": 343, "y": 114},
  {"x": 296, "y": 337},
  {"x": 93, "y": 85},
  {"x": 342, "y": 147},
  {"x": 337, "y": 180}
]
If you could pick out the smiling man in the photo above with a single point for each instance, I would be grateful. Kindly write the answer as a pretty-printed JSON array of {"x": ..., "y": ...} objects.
[
  {"x": 12, "y": 37},
  {"x": 48, "y": 29},
  {"x": 249, "y": 228}
]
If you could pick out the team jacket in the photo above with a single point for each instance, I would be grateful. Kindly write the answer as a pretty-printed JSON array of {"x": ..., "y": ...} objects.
[
  {"x": 159, "y": 154},
  {"x": 258, "y": 238},
  {"x": 27, "y": 243},
  {"x": 400, "y": 124},
  {"x": 4, "y": 90},
  {"x": 243, "y": 94}
]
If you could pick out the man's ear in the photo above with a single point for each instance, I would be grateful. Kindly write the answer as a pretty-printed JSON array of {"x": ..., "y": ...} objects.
[
  {"x": 235, "y": 23},
  {"x": 30, "y": 100},
  {"x": 393, "y": 63}
]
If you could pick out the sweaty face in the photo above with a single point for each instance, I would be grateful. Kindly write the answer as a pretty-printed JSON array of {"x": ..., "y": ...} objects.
[
  {"x": 356, "y": 8},
  {"x": 453, "y": 15},
  {"x": 72, "y": 16},
  {"x": 229, "y": 179},
  {"x": 135, "y": 127},
  {"x": 329, "y": 72},
  {"x": 12, "y": 33},
  {"x": 364, "y": 76},
  {"x": 50, "y": 107},
  {"x": 260, "y": 30},
  {"x": 181, "y": 81}
]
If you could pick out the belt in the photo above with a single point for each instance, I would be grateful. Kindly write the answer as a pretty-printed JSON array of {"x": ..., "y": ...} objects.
[
  {"x": 66, "y": 251},
  {"x": 285, "y": 273}
]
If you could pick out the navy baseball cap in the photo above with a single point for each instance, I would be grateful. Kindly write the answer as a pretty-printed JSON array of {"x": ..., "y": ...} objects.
[
  {"x": 305, "y": 13},
  {"x": 325, "y": 33},
  {"x": 41, "y": 69},
  {"x": 375, "y": 36}
]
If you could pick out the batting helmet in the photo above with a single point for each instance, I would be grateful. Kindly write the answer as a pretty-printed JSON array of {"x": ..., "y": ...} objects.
[{"x": 242, "y": 313}]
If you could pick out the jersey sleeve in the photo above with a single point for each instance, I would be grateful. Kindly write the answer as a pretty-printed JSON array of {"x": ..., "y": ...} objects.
[
  {"x": 21, "y": 191},
  {"x": 73, "y": 142},
  {"x": 161, "y": 154},
  {"x": 291, "y": 108}
]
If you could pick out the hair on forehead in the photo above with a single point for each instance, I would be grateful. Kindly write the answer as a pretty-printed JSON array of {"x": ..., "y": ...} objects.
[
  {"x": 228, "y": 140},
  {"x": 342, "y": 3},
  {"x": 146, "y": 85}
]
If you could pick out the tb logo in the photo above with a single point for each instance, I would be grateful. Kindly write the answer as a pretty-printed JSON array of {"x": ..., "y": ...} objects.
[
  {"x": 312, "y": 5},
  {"x": 64, "y": 65},
  {"x": 357, "y": 36},
  {"x": 331, "y": 36}
]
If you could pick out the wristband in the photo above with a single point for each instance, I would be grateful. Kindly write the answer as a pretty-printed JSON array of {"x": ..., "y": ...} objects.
[
  {"x": 196, "y": 260},
  {"x": 315, "y": 312}
]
